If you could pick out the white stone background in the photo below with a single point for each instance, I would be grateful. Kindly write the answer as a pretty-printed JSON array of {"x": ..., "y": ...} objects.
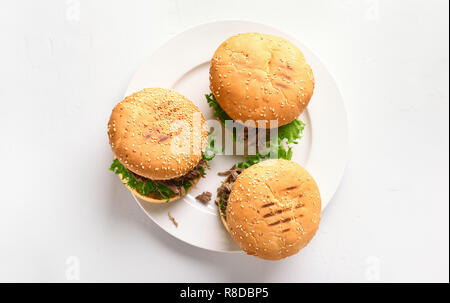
[{"x": 65, "y": 217}]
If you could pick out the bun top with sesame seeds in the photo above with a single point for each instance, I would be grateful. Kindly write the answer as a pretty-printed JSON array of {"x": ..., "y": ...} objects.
[
  {"x": 261, "y": 77},
  {"x": 274, "y": 209},
  {"x": 157, "y": 133}
]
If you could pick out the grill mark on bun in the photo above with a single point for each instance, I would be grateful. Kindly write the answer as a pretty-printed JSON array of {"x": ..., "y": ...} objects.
[
  {"x": 282, "y": 85},
  {"x": 277, "y": 212},
  {"x": 285, "y": 230},
  {"x": 292, "y": 187},
  {"x": 275, "y": 223},
  {"x": 267, "y": 205},
  {"x": 286, "y": 76},
  {"x": 163, "y": 138}
]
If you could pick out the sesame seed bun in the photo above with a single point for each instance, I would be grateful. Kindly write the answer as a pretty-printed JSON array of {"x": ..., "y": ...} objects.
[
  {"x": 261, "y": 77},
  {"x": 274, "y": 209},
  {"x": 155, "y": 198},
  {"x": 157, "y": 133}
]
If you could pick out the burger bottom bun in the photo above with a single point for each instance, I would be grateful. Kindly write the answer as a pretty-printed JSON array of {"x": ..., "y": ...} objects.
[
  {"x": 224, "y": 220},
  {"x": 154, "y": 198}
]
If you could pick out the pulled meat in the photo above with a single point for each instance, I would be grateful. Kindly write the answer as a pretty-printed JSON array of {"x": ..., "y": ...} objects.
[
  {"x": 176, "y": 184},
  {"x": 223, "y": 192},
  {"x": 234, "y": 171},
  {"x": 204, "y": 197},
  {"x": 172, "y": 219}
]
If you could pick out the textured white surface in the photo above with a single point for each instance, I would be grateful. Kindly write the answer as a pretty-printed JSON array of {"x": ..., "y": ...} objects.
[{"x": 63, "y": 216}]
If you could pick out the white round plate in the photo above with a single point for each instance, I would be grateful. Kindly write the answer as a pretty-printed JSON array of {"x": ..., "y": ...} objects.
[{"x": 182, "y": 64}]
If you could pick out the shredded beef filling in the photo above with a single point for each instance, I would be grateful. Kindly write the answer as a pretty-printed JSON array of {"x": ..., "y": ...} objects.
[
  {"x": 223, "y": 192},
  {"x": 176, "y": 185},
  {"x": 172, "y": 219},
  {"x": 204, "y": 197}
]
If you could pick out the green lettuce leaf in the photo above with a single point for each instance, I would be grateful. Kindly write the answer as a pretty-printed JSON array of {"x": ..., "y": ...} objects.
[
  {"x": 223, "y": 207},
  {"x": 292, "y": 131},
  {"x": 218, "y": 111},
  {"x": 143, "y": 188},
  {"x": 288, "y": 134},
  {"x": 211, "y": 151}
]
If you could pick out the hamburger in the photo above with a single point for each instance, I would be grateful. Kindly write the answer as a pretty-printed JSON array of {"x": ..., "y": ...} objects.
[
  {"x": 256, "y": 77},
  {"x": 272, "y": 209},
  {"x": 158, "y": 138}
]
